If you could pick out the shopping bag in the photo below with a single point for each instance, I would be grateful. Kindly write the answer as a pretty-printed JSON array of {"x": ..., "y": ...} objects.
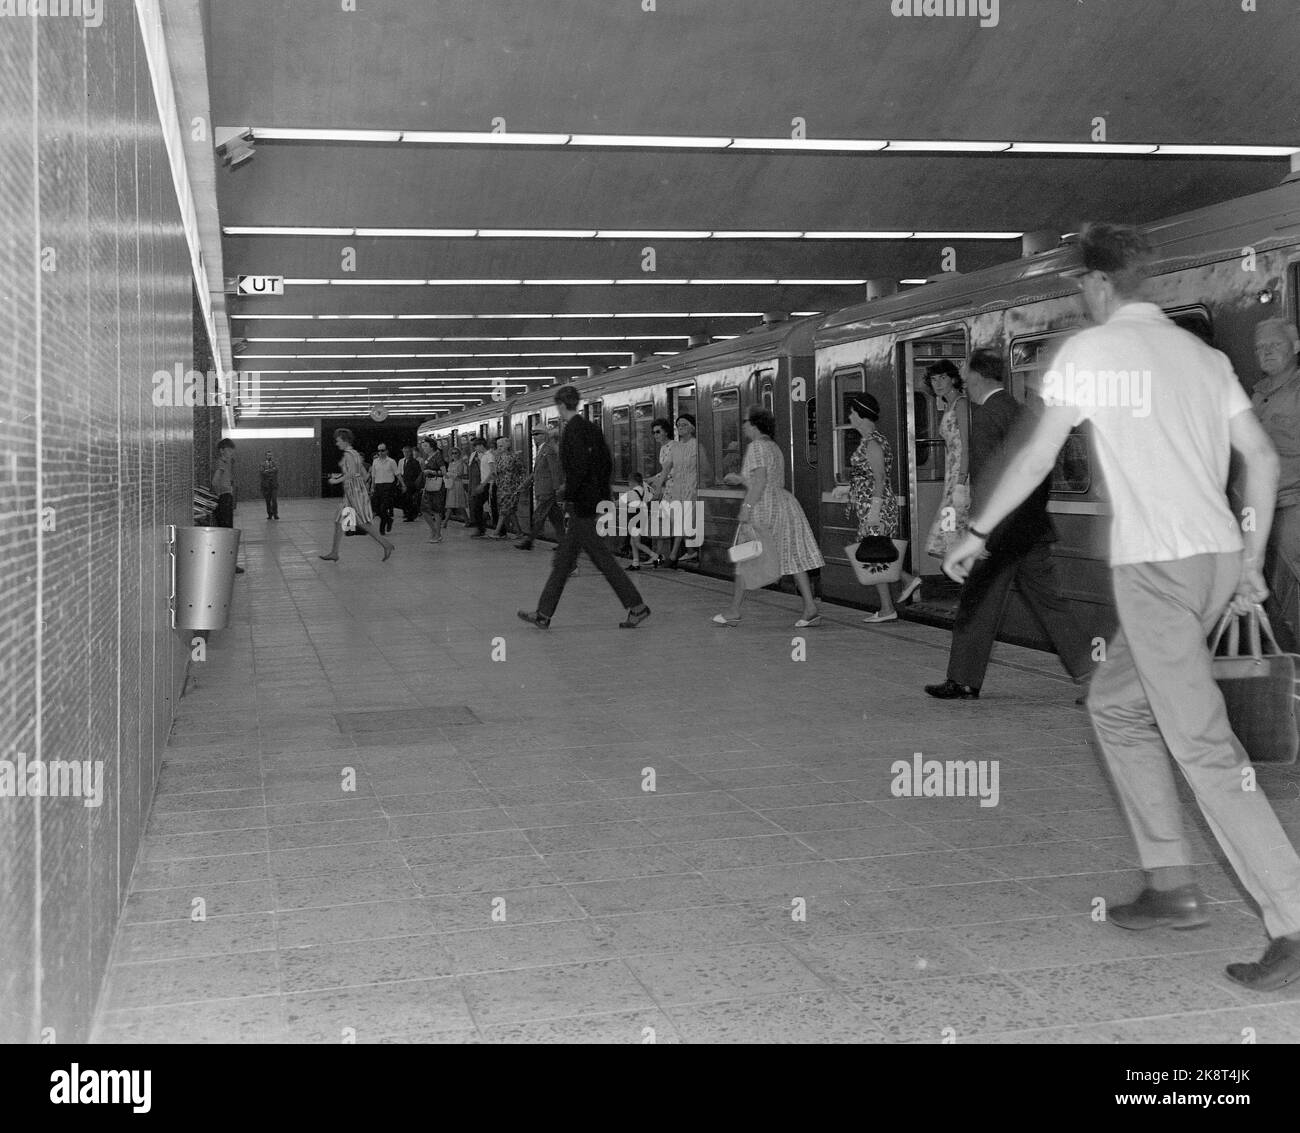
[
  {"x": 869, "y": 574},
  {"x": 765, "y": 567},
  {"x": 1259, "y": 687}
]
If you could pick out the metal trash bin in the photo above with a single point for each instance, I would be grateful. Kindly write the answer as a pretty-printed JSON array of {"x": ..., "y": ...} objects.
[{"x": 203, "y": 575}]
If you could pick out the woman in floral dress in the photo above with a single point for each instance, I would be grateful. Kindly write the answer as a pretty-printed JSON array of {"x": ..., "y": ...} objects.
[
  {"x": 876, "y": 508},
  {"x": 776, "y": 515},
  {"x": 954, "y": 509},
  {"x": 352, "y": 475},
  {"x": 510, "y": 476}
]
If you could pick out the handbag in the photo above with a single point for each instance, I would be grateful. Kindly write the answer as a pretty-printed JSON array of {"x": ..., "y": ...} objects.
[
  {"x": 874, "y": 573},
  {"x": 761, "y": 569},
  {"x": 1259, "y": 689},
  {"x": 875, "y": 549},
  {"x": 750, "y": 549}
]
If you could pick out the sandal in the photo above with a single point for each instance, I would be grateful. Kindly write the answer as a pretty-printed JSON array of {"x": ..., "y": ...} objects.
[
  {"x": 911, "y": 592},
  {"x": 879, "y": 617},
  {"x": 723, "y": 620},
  {"x": 808, "y": 623}
]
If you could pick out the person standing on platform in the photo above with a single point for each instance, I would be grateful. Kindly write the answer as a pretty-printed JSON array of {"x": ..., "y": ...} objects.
[
  {"x": 546, "y": 485},
  {"x": 480, "y": 485},
  {"x": 352, "y": 475},
  {"x": 587, "y": 469},
  {"x": 223, "y": 487},
  {"x": 269, "y": 475},
  {"x": 433, "y": 502},
  {"x": 457, "y": 496},
  {"x": 383, "y": 474},
  {"x": 1177, "y": 563},
  {"x": 411, "y": 472},
  {"x": 1019, "y": 551},
  {"x": 1276, "y": 398},
  {"x": 508, "y": 473}
]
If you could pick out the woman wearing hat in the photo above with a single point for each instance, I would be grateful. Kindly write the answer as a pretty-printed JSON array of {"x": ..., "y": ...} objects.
[{"x": 871, "y": 494}]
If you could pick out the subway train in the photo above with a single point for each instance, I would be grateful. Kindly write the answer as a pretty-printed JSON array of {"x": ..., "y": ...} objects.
[{"x": 1218, "y": 272}]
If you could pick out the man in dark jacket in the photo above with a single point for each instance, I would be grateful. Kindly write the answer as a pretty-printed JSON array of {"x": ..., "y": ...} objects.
[
  {"x": 586, "y": 466},
  {"x": 1019, "y": 551}
]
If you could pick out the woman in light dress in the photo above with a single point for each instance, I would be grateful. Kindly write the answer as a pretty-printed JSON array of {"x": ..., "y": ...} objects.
[
  {"x": 776, "y": 515},
  {"x": 356, "y": 495},
  {"x": 683, "y": 462},
  {"x": 457, "y": 497},
  {"x": 871, "y": 494},
  {"x": 954, "y": 509}
]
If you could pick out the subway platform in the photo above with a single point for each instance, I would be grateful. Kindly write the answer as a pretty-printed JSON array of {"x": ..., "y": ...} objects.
[{"x": 391, "y": 812}]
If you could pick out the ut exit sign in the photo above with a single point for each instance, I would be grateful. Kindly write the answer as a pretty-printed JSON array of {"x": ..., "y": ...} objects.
[{"x": 261, "y": 285}]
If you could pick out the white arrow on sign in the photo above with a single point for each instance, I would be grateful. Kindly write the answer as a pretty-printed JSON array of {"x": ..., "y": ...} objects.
[{"x": 261, "y": 285}]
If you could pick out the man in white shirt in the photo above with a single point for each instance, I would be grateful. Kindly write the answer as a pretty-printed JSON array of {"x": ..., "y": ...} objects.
[
  {"x": 384, "y": 477},
  {"x": 1167, "y": 412}
]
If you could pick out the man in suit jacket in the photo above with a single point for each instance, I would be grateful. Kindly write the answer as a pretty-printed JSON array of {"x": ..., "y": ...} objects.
[
  {"x": 587, "y": 468},
  {"x": 1019, "y": 551}
]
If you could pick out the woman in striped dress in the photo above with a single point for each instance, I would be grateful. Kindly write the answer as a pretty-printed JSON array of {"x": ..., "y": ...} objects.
[
  {"x": 776, "y": 514},
  {"x": 352, "y": 475}
]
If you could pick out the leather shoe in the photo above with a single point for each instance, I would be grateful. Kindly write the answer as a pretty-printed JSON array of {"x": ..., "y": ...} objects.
[
  {"x": 1279, "y": 966},
  {"x": 951, "y": 690},
  {"x": 1154, "y": 908},
  {"x": 541, "y": 621}
]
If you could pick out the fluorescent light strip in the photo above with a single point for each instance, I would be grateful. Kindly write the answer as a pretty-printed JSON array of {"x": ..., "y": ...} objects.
[
  {"x": 636, "y": 281},
  {"x": 808, "y": 145},
  {"x": 570, "y": 315},
  {"x": 588, "y": 234},
  {"x": 520, "y": 354}
]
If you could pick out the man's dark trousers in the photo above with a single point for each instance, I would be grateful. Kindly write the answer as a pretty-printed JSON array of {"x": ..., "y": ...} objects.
[
  {"x": 385, "y": 497},
  {"x": 983, "y": 602},
  {"x": 547, "y": 508},
  {"x": 223, "y": 515},
  {"x": 581, "y": 536}
]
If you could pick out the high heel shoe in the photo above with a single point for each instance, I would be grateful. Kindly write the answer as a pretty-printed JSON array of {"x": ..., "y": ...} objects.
[
  {"x": 330, "y": 558},
  {"x": 911, "y": 592},
  {"x": 389, "y": 548}
]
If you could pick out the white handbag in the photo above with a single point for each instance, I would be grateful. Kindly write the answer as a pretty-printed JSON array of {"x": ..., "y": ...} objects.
[{"x": 742, "y": 552}]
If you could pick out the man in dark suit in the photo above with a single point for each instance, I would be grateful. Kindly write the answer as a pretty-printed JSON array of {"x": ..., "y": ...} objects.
[
  {"x": 587, "y": 468},
  {"x": 1019, "y": 551}
]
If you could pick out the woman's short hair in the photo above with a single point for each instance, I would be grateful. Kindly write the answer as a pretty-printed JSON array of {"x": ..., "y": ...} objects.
[
  {"x": 662, "y": 423},
  {"x": 864, "y": 405},
  {"x": 343, "y": 435},
  {"x": 763, "y": 419},
  {"x": 948, "y": 370},
  {"x": 686, "y": 417}
]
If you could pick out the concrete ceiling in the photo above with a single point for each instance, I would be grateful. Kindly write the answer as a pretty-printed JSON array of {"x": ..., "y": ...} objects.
[{"x": 1198, "y": 72}]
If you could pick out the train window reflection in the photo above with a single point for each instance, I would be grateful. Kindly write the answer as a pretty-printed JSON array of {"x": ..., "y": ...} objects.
[
  {"x": 647, "y": 454},
  {"x": 845, "y": 383},
  {"x": 621, "y": 441},
  {"x": 726, "y": 433},
  {"x": 1030, "y": 360}
]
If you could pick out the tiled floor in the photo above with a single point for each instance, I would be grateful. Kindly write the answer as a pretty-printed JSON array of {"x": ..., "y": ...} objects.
[{"x": 392, "y": 812}]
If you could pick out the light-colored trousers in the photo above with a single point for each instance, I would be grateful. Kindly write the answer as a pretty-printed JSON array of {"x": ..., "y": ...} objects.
[{"x": 1154, "y": 697}]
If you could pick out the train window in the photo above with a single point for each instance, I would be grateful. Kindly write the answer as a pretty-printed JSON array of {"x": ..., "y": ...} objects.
[
  {"x": 845, "y": 383},
  {"x": 766, "y": 395},
  {"x": 647, "y": 453},
  {"x": 1196, "y": 320},
  {"x": 621, "y": 441},
  {"x": 681, "y": 399},
  {"x": 1030, "y": 359},
  {"x": 916, "y": 357},
  {"x": 929, "y": 465},
  {"x": 726, "y": 433},
  {"x": 812, "y": 431}
]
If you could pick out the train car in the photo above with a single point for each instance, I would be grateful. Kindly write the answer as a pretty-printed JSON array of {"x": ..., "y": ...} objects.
[
  {"x": 1219, "y": 271},
  {"x": 770, "y": 365}
]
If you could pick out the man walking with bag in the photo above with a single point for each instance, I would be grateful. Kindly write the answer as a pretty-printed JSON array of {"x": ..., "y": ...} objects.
[
  {"x": 1163, "y": 440},
  {"x": 587, "y": 469}
]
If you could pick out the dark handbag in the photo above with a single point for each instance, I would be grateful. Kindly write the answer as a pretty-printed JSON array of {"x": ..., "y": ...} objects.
[
  {"x": 1259, "y": 689},
  {"x": 876, "y": 549}
]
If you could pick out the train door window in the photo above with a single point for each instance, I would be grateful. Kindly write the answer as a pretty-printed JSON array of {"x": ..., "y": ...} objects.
[
  {"x": 593, "y": 412},
  {"x": 646, "y": 453},
  {"x": 845, "y": 383},
  {"x": 621, "y": 441},
  {"x": 681, "y": 399},
  {"x": 1196, "y": 320},
  {"x": 811, "y": 403},
  {"x": 918, "y": 355},
  {"x": 1030, "y": 359},
  {"x": 766, "y": 395},
  {"x": 726, "y": 433}
]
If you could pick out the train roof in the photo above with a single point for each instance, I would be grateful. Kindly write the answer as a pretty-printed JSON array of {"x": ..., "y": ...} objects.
[
  {"x": 1201, "y": 236},
  {"x": 790, "y": 336}
]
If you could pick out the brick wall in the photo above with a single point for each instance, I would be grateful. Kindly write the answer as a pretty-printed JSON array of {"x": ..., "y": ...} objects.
[{"x": 88, "y": 668}]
